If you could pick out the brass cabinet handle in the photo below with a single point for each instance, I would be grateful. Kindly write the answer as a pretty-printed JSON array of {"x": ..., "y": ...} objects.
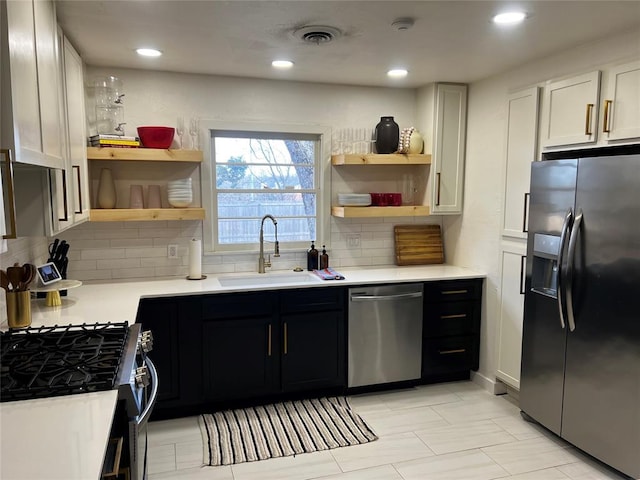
[
  {"x": 457, "y": 315},
  {"x": 10, "y": 206},
  {"x": 453, "y": 292},
  {"x": 78, "y": 180},
  {"x": 606, "y": 128},
  {"x": 269, "y": 342},
  {"x": 449, "y": 352},
  {"x": 285, "y": 338},
  {"x": 587, "y": 126},
  {"x": 438, "y": 191}
]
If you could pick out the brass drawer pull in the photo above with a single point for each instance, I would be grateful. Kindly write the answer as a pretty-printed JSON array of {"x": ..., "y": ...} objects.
[
  {"x": 269, "y": 342},
  {"x": 454, "y": 292},
  {"x": 457, "y": 315},
  {"x": 449, "y": 352},
  {"x": 285, "y": 338}
]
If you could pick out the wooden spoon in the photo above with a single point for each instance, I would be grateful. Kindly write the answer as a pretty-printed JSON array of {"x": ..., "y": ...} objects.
[
  {"x": 28, "y": 272},
  {"x": 4, "y": 280},
  {"x": 15, "y": 277}
]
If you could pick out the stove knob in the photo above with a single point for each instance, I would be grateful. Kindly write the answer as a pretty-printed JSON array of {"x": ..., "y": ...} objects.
[
  {"x": 142, "y": 377},
  {"x": 146, "y": 342}
]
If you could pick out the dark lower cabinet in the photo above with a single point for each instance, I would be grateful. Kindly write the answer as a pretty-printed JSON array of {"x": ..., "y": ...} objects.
[
  {"x": 161, "y": 318},
  {"x": 175, "y": 324},
  {"x": 240, "y": 360},
  {"x": 222, "y": 349},
  {"x": 451, "y": 329},
  {"x": 313, "y": 350}
]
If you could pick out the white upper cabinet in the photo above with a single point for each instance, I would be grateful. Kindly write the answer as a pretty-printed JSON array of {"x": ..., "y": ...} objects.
[
  {"x": 520, "y": 151},
  {"x": 449, "y": 135},
  {"x": 31, "y": 102},
  {"x": 621, "y": 102},
  {"x": 570, "y": 111},
  {"x": 70, "y": 185}
]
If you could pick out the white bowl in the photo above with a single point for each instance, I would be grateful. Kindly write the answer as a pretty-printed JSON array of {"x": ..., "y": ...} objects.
[{"x": 179, "y": 203}]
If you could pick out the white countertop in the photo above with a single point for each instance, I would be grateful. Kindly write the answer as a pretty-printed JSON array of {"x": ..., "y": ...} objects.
[
  {"x": 66, "y": 437},
  {"x": 55, "y": 438},
  {"x": 118, "y": 300}
]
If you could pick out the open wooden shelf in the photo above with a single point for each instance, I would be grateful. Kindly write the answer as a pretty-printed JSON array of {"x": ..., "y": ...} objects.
[
  {"x": 382, "y": 159},
  {"x": 143, "y": 154},
  {"x": 371, "y": 212},
  {"x": 144, "y": 214}
]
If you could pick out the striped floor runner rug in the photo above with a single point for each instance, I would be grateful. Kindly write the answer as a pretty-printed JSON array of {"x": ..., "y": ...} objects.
[{"x": 280, "y": 430}]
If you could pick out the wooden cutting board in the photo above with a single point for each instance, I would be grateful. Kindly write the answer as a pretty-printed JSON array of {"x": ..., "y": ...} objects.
[{"x": 418, "y": 244}]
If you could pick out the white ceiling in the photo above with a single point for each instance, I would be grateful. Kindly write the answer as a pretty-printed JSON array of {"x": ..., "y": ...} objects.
[{"x": 451, "y": 40}]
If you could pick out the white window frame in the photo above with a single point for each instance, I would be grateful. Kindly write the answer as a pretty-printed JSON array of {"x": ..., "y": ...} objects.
[{"x": 209, "y": 200}]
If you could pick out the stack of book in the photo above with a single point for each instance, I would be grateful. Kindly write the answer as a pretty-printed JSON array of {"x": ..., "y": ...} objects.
[{"x": 104, "y": 140}]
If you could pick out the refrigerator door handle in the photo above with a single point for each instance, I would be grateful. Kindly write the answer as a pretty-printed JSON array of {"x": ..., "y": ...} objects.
[
  {"x": 573, "y": 240},
  {"x": 566, "y": 225}
]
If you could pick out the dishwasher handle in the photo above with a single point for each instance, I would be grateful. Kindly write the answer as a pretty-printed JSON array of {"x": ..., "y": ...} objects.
[{"x": 399, "y": 296}]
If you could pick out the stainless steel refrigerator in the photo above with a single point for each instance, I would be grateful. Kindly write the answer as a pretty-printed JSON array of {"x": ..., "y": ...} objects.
[{"x": 580, "y": 373}]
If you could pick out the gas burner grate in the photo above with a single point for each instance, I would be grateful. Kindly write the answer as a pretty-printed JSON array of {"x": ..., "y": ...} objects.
[{"x": 42, "y": 362}]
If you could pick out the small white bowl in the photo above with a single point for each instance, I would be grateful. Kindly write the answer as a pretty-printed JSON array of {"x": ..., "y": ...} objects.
[{"x": 179, "y": 203}]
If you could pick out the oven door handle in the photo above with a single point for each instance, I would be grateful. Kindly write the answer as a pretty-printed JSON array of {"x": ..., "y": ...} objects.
[{"x": 144, "y": 417}]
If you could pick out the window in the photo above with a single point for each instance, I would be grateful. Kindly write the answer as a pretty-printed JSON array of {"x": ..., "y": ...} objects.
[{"x": 255, "y": 173}]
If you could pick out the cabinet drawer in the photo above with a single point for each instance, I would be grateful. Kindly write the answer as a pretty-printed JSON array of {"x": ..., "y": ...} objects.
[
  {"x": 238, "y": 305},
  {"x": 312, "y": 299},
  {"x": 448, "y": 355},
  {"x": 450, "y": 318},
  {"x": 451, "y": 290}
]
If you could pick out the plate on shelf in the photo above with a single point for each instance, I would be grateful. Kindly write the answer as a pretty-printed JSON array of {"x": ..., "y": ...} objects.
[{"x": 354, "y": 199}]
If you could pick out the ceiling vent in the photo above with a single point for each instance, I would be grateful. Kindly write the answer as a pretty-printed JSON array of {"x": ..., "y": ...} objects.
[{"x": 317, "y": 34}]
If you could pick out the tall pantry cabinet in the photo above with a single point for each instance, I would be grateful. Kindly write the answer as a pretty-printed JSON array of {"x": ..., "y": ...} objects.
[{"x": 520, "y": 151}]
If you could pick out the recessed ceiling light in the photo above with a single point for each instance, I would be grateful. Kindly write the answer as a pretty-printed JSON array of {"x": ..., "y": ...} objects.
[
  {"x": 282, "y": 64},
  {"x": 148, "y": 52},
  {"x": 509, "y": 18},
  {"x": 397, "y": 73}
]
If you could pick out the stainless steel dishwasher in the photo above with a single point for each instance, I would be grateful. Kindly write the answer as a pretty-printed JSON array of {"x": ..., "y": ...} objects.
[{"x": 385, "y": 334}]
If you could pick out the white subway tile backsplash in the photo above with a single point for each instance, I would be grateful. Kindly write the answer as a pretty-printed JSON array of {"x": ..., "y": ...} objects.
[
  {"x": 146, "y": 252},
  {"x": 84, "y": 264},
  {"x": 139, "y": 249},
  {"x": 102, "y": 253},
  {"x": 129, "y": 243},
  {"x": 90, "y": 274},
  {"x": 171, "y": 271},
  {"x": 117, "y": 263},
  {"x": 109, "y": 234},
  {"x": 132, "y": 273},
  {"x": 162, "y": 232},
  {"x": 162, "y": 262}
]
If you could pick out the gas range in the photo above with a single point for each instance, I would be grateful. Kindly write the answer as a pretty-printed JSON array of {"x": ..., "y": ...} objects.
[{"x": 60, "y": 360}]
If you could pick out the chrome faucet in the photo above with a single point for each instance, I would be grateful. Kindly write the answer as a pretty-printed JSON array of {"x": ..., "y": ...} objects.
[{"x": 262, "y": 263}]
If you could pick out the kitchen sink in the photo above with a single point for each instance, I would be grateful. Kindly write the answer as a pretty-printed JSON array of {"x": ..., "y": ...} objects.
[{"x": 269, "y": 279}]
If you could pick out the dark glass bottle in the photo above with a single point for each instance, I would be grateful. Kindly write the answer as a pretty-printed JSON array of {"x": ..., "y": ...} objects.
[
  {"x": 387, "y": 135},
  {"x": 324, "y": 259},
  {"x": 312, "y": 258}
]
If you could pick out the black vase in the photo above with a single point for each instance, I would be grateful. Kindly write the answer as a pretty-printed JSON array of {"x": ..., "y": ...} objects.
[{"x": 387, "y": 135}]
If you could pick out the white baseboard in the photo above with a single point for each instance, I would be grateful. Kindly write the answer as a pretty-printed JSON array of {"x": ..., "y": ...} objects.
[{"x": 491, "y": 385}]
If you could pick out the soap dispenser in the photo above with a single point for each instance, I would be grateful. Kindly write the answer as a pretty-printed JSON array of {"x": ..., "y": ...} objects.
[
  {"x": 312, "y": 257},
  {"x": 324, "y": 259}
]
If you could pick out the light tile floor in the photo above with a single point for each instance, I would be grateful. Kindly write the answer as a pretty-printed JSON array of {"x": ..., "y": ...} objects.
[{"x": 450, "y": 431}]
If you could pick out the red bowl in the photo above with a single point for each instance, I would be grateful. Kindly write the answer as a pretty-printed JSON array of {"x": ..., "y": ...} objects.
[{"x": 156, "y": 137}]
